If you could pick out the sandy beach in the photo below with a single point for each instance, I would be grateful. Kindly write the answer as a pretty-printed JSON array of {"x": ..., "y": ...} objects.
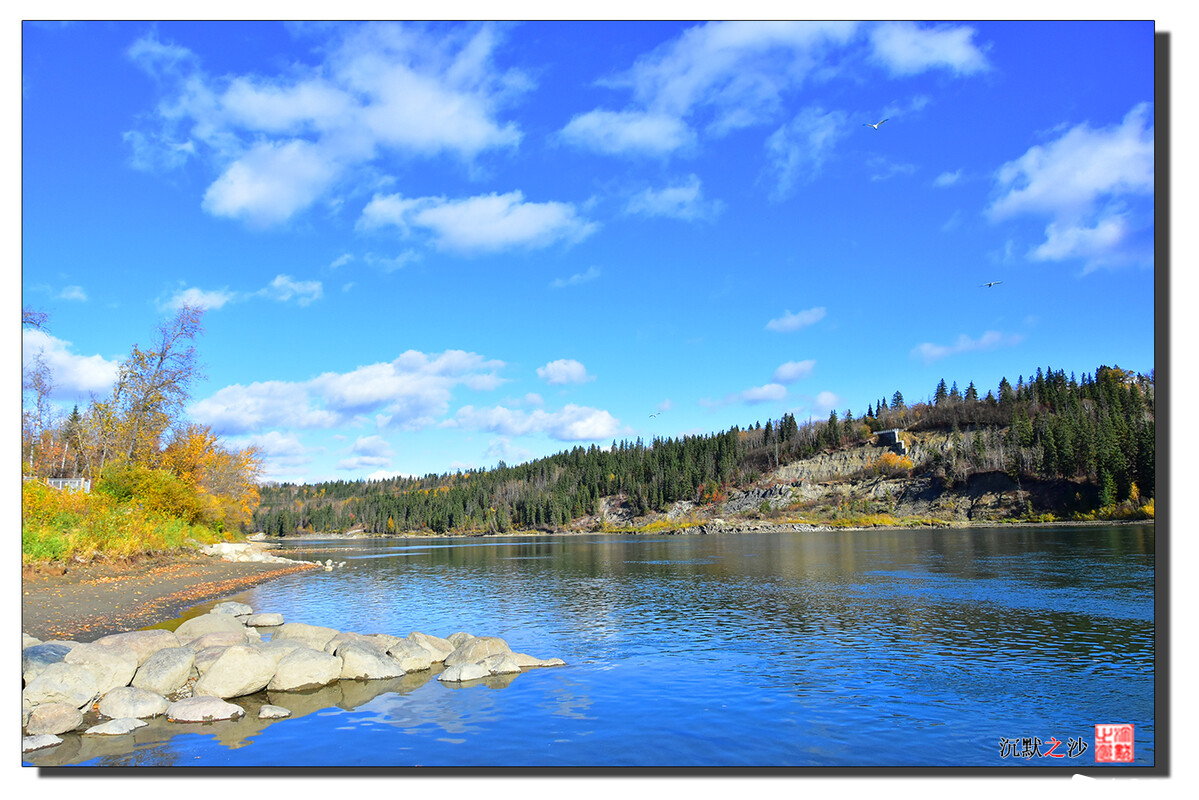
[{"x": 87, "y": 601}]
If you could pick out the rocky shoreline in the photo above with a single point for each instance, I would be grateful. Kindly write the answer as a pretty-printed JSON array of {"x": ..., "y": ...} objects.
[
  {"x": 103, "y": 690},
  {"x": 717, "y": 526}
]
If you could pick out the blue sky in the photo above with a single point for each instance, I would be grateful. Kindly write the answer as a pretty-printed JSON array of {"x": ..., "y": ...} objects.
[{"x": 431, "y": 247}]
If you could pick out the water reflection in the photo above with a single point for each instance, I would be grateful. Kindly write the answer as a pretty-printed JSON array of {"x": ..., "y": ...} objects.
[{"x": 840, "y": 648}]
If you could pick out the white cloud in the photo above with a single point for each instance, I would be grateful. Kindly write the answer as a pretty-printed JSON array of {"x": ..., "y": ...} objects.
[
  {"x": 271, "y": 182},
  {"x": 368, "y": 451},
  {"x": 768, "y": 393},
  {"x": 282, "y": 142},
  {"x": 199, "y": 298},
  {"x": 735, "y": 70},
  {"x": 1068, "y": 175},
  {"x": 408, "y": 393},
  {"x": 906, "y": 48},
  {"x": 71, "y": 375},
  {"x": 929, "y": 352},
  {"x": 502, "y": 449},
  {"x": 764, "y": 394},
  {"x": 278, "y": 444},
  {"x": 390, "y": 264},
  {"x": 362, "y": 462},
  {"x": 372, "y": 446},
  {"x": 73, "y": 293},
  {"x": 562, "y": 371},
  {"x": 798, "y": 150},
  {"x": 341, "y": 261},
  {"x": 882, "y": 169},
  {"x": 717, "y": 77},
  {"x": 279, "y": 450},
  {"x": 1095, "y": 186},
  {"x": 825, "y": 402},
  {"x": 574, "y": 280},
  {"x": 570, "y": 424},
  {"x": 482, "y": 223},
  {"x": 264, "y": 404},
  {"x": 683, "y": 201},
  {"x": 284, "y": 288},
  {"x": 947, "y": 178},
  {"x": 793, "y": 322},
  {"x": 793, "y": 371},
  {"x": 628, "y": 132}
]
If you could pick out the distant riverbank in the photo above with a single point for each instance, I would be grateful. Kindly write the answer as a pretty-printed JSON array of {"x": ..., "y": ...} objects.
[{"x": 727, "y": 528}]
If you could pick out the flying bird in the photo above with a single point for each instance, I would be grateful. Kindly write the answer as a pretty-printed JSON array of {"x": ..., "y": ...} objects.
[
  {"x": 992, "y": 283},
  {"x": 656, "y": 413},
  {"x": 875, "y": 125}
]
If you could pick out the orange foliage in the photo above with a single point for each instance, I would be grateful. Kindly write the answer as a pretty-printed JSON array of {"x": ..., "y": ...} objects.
[{"x": 224, "y": 480}]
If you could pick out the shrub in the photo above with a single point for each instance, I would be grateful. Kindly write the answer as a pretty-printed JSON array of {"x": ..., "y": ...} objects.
[
  {"x": 156, "y": 490},
  {"x": 891, "y": 465},
  {"x": 56, "y": 525}
]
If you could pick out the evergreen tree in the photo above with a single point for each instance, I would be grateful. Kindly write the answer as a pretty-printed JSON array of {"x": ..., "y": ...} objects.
[{"x": 941, "y": 393}]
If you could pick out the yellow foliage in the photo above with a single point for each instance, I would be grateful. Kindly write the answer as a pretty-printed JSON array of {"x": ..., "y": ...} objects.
[{"x": 891, "y": 465}]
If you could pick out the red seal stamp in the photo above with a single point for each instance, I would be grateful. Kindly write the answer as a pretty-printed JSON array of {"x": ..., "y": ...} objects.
[{"x": 1113, "y": 743}]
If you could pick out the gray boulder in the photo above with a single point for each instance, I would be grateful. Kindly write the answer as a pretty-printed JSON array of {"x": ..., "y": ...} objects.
[
  {"x": 31, "y": 743},
  {"x": 463, "y": 672},
  {"x": 36, "y": 658},
  {"x": 331, "y": 646},
  {"x": 28, "y": 641},
  {"x": 62, "y": 683},
  {"x": 304, "y": 668},
  {"x": 239, "y": 670},
  {"x": 205, "y": 657},
  {"x": 143, "y": 643},
  {"x": 53, "y": 718},
  {"x": 412, "y": 657},
  {"x": 474, "y": 650},
  {"x": 438, "y": 648},
  {"x": 232, "y": 608},
  {"x": 458, "y": 638},
  {"x": 263, "y": 620},
  {"x": 269, "y": 711},
  {"x": 277, "y": 650},
  {"x": 203, "y": 709},
  {"x": 113, "y": 665},
  {"x": 131, "y": 701},
  {"x": 208, "y": 623},
  {"x": 383, "y": 641},
  {"x": 363, "y": 662},
  {"x": 115, "y": 727},
  {"x": 312, "y": 636},
  {"x": 500, "y": 664},
  {"x": 219, "y": 639},
  {"x": 166, "y": 671},
  {"x": 524, "y": 661}
]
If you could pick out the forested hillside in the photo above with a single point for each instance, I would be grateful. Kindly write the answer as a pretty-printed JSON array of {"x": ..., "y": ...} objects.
[{"x": 1097, "y": 429}]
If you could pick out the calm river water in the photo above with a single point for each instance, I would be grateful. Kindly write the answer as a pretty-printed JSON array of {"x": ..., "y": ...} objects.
[{"x": 843, "y": 649}]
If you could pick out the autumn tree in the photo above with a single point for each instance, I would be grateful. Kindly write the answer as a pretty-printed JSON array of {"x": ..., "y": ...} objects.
[
  {"x": 152, "y": 388},
  {"x": 37, "y": 413}
]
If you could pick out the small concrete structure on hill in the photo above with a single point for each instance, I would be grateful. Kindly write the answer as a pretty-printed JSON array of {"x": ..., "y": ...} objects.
[{"x": 890, "y": 438}]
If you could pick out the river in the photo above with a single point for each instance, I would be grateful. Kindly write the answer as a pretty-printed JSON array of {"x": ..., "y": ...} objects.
[{"x": 959, "y": 647}]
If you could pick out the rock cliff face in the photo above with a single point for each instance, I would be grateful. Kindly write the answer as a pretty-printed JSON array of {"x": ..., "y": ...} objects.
[{"x": 844, "y": 481}]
